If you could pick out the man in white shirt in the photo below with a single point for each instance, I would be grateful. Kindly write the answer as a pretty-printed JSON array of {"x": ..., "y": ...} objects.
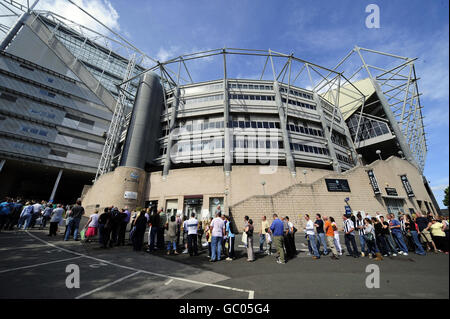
[
  {"x": 349, "y": 236},
  {"x": 217, "y": 233},
  {"x": 309, "y": 230},
  {"x": 192, "y": 226}
]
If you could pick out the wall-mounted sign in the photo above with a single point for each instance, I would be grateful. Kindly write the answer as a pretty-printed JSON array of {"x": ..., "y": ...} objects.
[
  {"x": 130, "y": 195},
  {"x": 337, "y": 185},
  {"x": 134, "y": 175},
  {"x": 373, "y": 182},
  {"x": 391, "y": 191},
  {"x": 407, "y": 186}
]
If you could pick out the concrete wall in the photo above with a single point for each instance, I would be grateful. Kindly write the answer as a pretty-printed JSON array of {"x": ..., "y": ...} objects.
[{"x": 109, "y": 189}]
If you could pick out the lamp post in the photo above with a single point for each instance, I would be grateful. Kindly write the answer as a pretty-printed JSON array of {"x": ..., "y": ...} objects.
[
  {"x": 304, "y": 173},
  {"x": 264, "y": 190},
  {"x": 379, "y": 154},
  {"x": 360, "y": 159}
]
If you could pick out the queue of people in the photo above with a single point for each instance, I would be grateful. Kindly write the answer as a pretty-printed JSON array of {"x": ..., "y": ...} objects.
[{"x": 378, "y": 237}]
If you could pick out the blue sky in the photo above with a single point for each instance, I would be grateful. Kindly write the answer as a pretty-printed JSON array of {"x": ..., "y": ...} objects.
[{"x": 319, "y": 31}]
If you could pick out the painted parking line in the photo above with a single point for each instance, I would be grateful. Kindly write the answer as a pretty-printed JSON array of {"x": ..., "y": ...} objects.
[
  {"x": 37, "y": 265},
  {"x": 251, "y": 293},
  {"x": 168, "y": 282},
  {"x": 107, "y": 285},
  {"x": 23, "y": 247}
]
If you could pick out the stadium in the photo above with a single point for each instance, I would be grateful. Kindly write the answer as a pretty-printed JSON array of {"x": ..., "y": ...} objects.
[{"x": 196, "y": 131}]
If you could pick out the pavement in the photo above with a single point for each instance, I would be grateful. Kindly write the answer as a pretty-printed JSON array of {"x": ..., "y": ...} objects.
[{"x": 33, "y": 265}]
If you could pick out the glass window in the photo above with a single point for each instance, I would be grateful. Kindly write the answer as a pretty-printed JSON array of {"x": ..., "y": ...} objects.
[
  {"x": 277, "y": 125},
  {"x": 267, "y": 144},
  {"x": 265, "y": 124},
  {"x": 240, "y": 97},
  {"x": 271, "y": 124},
  {"x": 235, "y": 124},
  {"x": 253, "y": 124},
  {"x": 297, "y": 129},
  {"x": 250, "y": 86},
  {"x": 315, "y": 150},
  {"x": 300, "y": 147},
  {"x": 297, "y": 148},
  {"x": 252, "y": 97},
  {"x": 291, "y": 128},
  {"x": 241, "y": 124},
  {"x": 260, "y": 125},
  {"x": 302, "y": 130},
  {"x": 263, "y": 97},
  {"x": 245, "y": 97},
  {"x": 247, "y": 124},
  {"x": 257, "y": 97}
]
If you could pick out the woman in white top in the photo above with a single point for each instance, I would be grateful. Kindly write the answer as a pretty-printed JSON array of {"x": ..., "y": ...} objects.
[
  {"x": 92, "y": 226},
  {"x": 337, "y": 244}
]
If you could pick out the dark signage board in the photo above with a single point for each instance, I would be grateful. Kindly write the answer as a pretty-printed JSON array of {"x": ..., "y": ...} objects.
[
  {"x": 373, "y": 182},
  {"x": 407, "y": 186},
  {"x": 337, "y": 185},
  {"x": 391, "y": 191}
]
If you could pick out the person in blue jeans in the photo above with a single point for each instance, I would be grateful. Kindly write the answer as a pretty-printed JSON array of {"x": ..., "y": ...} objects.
[
  {"x": 217, "y": 234},
  {"x": 25, "y": 216},
  {"x": 396, "y": 231},
  {"x": 320, "y": 234},
  {"x": 362, "y": 239},
  {"x": 73, "y": 222},
  {"x": 309, "y": 230},
  {"x": 411, "y": 227}
]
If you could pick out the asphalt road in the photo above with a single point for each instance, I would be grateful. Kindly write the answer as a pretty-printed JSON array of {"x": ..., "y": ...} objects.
[{"x": 33, "y": 265}]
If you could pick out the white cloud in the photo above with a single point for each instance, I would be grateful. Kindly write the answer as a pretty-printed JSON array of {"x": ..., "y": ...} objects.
[{"x": 100, "y": 9}]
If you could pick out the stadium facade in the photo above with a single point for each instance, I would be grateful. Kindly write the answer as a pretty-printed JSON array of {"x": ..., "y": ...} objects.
[
  {"x": 57, "y": 98},
  {"x": 297, "y": 138}
]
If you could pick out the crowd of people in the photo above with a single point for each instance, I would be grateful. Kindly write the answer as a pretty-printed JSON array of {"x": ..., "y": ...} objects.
[{"x": 379, "y": 236}]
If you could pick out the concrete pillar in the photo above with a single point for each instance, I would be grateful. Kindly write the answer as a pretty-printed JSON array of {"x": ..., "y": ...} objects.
[
  {"x": 172, "y": 122},
  {"x": 287, "y": 148},
  {"x": 55, "y": 187},
  {"x": 330, "y": 146}
]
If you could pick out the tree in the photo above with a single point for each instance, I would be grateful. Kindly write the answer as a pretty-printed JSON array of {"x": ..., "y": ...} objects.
[{"x": 445, "y": 201}]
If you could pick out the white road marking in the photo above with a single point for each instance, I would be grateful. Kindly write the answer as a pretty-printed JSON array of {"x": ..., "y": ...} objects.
[
  {"x": 23, "y": 247},
  {"x": 37, "y": 265},
  {"x": 107, "y": 285},
  {"x": 251, "y": 293},
  {"x": 168, "y": 282}
]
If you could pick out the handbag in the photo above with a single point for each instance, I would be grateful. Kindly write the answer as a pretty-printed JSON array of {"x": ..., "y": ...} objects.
[
  {"x": 369, "y": 236},
  {"x": 244, "y": 238},
  {"x": 82, "y": 234}
]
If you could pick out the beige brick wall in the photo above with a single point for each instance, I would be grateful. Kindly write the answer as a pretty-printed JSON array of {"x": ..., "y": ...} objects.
[{"x": 298, "y": 200}]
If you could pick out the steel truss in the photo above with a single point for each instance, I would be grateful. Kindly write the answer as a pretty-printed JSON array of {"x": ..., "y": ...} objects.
[
  {"x": 288, "y": 71},
  {"x": 396, "y": 84}
]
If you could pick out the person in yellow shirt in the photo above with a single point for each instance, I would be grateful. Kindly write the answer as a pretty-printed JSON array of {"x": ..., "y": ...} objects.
[
  {"x": 262, "y": 235},
  {"x": 438, "y": 234}
]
